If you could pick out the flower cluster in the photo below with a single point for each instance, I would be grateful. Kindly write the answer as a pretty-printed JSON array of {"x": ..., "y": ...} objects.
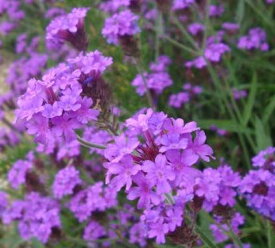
[
  {"x": 38, "y": 216},
  {"x": 219, "y": 229},
  {"x": 120, "y": 25},
  {"x": 256, "y": 39},
  {"x": 155, "y": 167},
  {"x": 18, "y": 171},
  {"x": 258, "y": 186},
  {"x": 157, "y": 80},
  {"x": 68, "y": 27},
  {"x": 65, "y": 181},
  {"x": 94, "y": 198},
  {"x": 190, "y": 91},
  {"x": 54, "y": 107}
]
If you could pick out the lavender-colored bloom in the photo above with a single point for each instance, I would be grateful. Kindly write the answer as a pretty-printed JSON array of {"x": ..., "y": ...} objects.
[
  {"x": 230, "y": 26},
  {"x": 195, "y": 28},
  {"x": 177, "y": 100},
  {"x": 21, "y": 43},
  {"x": 200, "y": 149},
  {"x": 137, "y": 234},
  {"x": 65, "y": 182},
  {"x": 216, "y": 10},
  {"x": 160, "y": 173},
  {"x": 93, "y": 231},
  {"x": 17, "y": 173},
  {"x": 256, "y": 39},
  {"x": 143, "y": 191},
  {"x": 122, "y": 146},
  {"x": 161, "y": 64},
  {"x": 198, "y": 63},
  {"x": 112, "y": 6},
  {"x": 265, "y": 159},
  {"x": 94, "y": 198},
  {"x": 36, "y": 216},
  {"x": 156, "y": 81},
  {"x": 54, "y": 107},
  {"x": 182, "y": 4},
  {"x": 214, "y": 52},
  {"x": 124, "y": 171},
  {"x": 124, "y": 23},
  {"x": 258, "y": 188},
  {"x": 238, "y": 94},
  {"x": 69, "y": 27},
  {"x": 218, "y": 231}
]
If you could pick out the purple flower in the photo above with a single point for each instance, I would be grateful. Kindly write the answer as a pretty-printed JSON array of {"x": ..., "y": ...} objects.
[
  {"x": 93, "y": 231},
  {"x": 137, "y": 234},
  {"x": 216, "y": 10},
  {"x": 124, "y": 171},
  {"x": 69, "y": 27},
  {"x": 214, "y": 52},
  {"x": 65, "y": 182},
  {"x": 124, "y": 23},
  {"x": 230, "y": 26},
  {"x": 17, "y": 173},
  {"x": 177, "y": 100},
  {"x": 156, "y": 81},
  {"x": 265, "y": 159},
  {"x": 182, "y": 4},
  {"x": 159, "y": 173},
  {"x": 122, "y": 146},
  {"x": 238, "y": 94},
  {"x": 36, "y": 216},
  {"x": 200, "y": 149},
  {"x": 256, "y": 39},
  {"x": 161, "y": 64},
  {"x": 143, "y": 191},
  {"x": 195, "y": 28}
]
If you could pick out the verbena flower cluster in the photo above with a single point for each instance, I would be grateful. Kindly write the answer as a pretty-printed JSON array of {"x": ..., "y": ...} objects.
[
  {"x": 54, "y": 107},
  {"x": 98, "y": 175}
]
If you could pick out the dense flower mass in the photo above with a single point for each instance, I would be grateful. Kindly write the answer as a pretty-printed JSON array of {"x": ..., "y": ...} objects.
[
  {"x": 157, "y": 80},
  {"x": 120, "y": 25},
  {"x": 65, "y": 182},
  {"x": 256, "y": 39},
  {"x": 52, "y": 108},
  {"x": 81, "y": 170},
  {"x": 37, "y": 216},
  {"x": 157, "y": 166},
  {"x": 258, "y": 186},
  {"x": 68, "y": 27}
]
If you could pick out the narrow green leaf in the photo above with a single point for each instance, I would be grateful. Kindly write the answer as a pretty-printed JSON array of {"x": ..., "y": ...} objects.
[
  {"x": 240, "y": 11},
  {"x": 229, "y": 125},
  {"x": 205, "y": 239},
  {"x": 269, "y": 110},
  {"x": 263, "y": 140},
  {"x": 251, "y": 100}
]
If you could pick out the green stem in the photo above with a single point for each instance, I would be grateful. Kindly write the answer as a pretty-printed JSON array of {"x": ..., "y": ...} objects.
[
  {"x": 234, "y": 237},
  {"x": 88, "y": 144},
  {"x": 180, "y": 45}
]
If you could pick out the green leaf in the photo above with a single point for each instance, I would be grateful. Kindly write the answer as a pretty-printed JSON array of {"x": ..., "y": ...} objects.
[
  {"x": 269, "y": 110},
  {"x": 263, "y": 139},
  {"x": 251, "y": 100},
  {"x": 229, "y": 125},
  {"x": 240, "y": 11}
]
